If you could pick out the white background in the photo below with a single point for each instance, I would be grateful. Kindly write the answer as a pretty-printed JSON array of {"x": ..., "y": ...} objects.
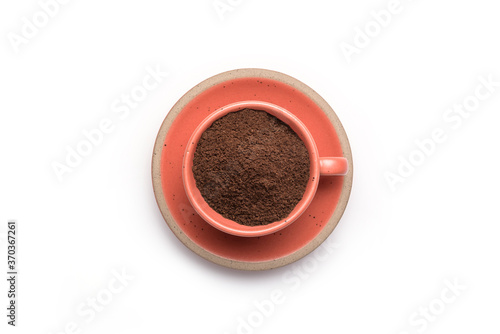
[{"x": 396, "y": 249}]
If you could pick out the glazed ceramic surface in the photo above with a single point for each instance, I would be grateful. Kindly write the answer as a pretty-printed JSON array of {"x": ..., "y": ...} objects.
[
  {"x": 279, "y": 248},
  {"x": 329, "y": 166}
]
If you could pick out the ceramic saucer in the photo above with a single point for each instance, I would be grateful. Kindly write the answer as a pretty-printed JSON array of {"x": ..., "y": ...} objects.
[{"x": 258, "y": 253}]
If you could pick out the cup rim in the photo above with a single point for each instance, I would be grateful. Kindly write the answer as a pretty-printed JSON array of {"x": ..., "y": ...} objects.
[{"x": 229, "y": 226}]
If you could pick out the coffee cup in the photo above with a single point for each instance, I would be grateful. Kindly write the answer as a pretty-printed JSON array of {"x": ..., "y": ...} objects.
[{"x": 319, "y": 167}]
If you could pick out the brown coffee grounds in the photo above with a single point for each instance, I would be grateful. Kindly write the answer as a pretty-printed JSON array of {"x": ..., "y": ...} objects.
[{"x": 251, "y": 167}]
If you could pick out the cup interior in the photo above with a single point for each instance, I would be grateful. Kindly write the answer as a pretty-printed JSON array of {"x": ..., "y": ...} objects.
[{"x": 230, "y": 226}]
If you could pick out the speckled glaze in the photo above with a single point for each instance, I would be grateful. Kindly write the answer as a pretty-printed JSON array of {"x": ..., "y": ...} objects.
[{"x": 250, "y": 253}]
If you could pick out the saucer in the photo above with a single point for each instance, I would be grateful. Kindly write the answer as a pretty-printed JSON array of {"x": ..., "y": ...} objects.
[{"x": 250, "y": 253}]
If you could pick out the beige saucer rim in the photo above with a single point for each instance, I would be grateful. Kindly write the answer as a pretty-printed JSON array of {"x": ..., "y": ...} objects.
[{"x": 156, "y": 170}]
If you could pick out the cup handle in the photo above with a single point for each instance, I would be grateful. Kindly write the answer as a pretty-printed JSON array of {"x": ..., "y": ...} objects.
[{"x": 333, "y": 166}]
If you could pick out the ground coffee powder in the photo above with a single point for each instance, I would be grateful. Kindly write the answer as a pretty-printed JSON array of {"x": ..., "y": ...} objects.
[{"x": 251, "y": 167}]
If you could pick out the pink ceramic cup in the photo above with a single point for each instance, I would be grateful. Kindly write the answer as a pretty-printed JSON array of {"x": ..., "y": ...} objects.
[{"x": 320, "y": 166}]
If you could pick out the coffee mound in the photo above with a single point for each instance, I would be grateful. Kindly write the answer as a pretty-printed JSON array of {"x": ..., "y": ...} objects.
[{"x": 251, "y": 168}]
